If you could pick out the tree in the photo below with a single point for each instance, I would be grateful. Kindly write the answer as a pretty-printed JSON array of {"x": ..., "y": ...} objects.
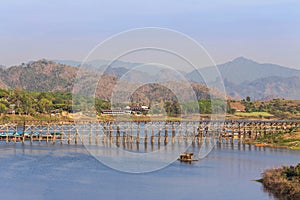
[
  {"x": 3, "y": 93},
  {"x": 44, "y": 105},
  {"x": 2, "y": 108},
  {"x": 231, "y": 111},
  {"x": 101, "y": 105},
  {"x": 248, "y": 99},
  {"x": 156, "y": 109},
  {"x": 26, "y": 104}
]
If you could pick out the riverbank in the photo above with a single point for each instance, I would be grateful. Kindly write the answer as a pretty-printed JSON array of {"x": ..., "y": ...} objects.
[
  {"x": 279, "y": 140},
  {"x": 283, "y": 183},
  {"x": 149, "y": 117}
]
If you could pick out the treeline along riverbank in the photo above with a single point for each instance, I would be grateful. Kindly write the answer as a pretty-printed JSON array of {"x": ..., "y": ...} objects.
[{"x": 40, "y": 105}]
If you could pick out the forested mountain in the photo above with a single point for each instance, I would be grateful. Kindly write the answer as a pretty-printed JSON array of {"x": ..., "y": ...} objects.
[{"x": 41, "y": 75}]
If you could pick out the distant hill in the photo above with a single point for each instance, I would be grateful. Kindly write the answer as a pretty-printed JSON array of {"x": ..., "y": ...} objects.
[
  {"x": 242, "y": 70},
  {"x": 40, "y": 75},
  {"x": 118, "y": 68},
  {"x": 275, "y": 86},
  {"x": 72, "y": 63},
  {"x": 2, "y": 67},
  {"x": 243, "y": 77},
  {"x": 49, "y": 76},
  {"x": 99, "y": 65},
  {"x": 120, "y": 71}
]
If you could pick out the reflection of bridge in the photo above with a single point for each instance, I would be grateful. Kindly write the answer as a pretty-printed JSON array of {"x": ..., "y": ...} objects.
[{"x": 155, "y": 133}]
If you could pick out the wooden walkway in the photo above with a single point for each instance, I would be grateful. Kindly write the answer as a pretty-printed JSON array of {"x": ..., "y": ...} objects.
[{"x": 154, "y": 133}]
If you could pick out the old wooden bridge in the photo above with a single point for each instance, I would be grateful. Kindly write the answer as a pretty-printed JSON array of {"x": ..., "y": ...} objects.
[{"x": 126, "y": 132}]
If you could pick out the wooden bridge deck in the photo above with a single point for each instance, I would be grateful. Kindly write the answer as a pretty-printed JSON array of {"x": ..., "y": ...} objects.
[{"x": 156, "y": 132}]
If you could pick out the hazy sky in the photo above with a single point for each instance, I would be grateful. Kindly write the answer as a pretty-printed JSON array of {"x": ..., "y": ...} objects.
[{"x": 263, "y": 30}]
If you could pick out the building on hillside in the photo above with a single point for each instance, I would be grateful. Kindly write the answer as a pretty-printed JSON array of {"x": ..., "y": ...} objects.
[
  {"x": 126, "y": 110},
  {"x": 139, "y": 109},
  {"x": 113, "y": 112}
]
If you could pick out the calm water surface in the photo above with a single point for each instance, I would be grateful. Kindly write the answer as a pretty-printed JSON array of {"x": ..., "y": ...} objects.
[{"x": 69, "y": 172}]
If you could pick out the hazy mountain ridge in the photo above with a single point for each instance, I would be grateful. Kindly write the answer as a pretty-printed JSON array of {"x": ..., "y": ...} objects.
[
  {"x": 242, "y": 77},
  {"x": 99, "y": 65},
  {"x": 285, "y": 87},
  {"x": 2, "y": 67},
  {"x": 44, "y": 75},
  {"x": 242, "y": 70}
]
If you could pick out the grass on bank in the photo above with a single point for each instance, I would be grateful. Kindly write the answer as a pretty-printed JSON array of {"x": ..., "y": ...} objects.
[
  {"x": 253, "y": 114},
  {"x": 287, "y": 140},
  {"x": 33, "y": 118}
]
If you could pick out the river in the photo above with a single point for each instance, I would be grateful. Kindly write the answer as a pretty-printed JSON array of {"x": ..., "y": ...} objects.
[{"x": 70, "y": 172}]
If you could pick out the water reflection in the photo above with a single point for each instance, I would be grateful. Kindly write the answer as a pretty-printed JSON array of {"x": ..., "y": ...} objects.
[{"x": 41, "y": 171}]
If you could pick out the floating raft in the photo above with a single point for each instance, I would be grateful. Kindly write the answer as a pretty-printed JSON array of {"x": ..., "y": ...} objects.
[{"x": 187, "y": 157}]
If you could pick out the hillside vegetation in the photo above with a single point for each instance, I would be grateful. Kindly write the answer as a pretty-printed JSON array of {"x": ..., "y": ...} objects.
[
  {"x": 279, "y": 108},
  {"x": 42, "y": 76},
  {"x": 30, "y": 103}
]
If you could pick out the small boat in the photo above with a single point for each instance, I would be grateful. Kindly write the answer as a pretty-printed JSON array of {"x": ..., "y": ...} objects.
[
  {"x": 187, "y": 157},
  {"x": 260, "y": 145}
]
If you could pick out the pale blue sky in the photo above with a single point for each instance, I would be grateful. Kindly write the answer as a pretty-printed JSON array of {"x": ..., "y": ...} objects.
[{"x": 263, "y": 30}]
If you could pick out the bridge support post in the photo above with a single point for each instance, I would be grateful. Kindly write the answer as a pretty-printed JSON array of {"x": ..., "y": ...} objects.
[
  {"x": 124, "y": 137},
  {"x": 23, "y": 138},
  {"x": 31, "y": 138},
  {"x": 76, "y": 137},
  {"x": 180, "y": 133},
  {"x": 173, "y": 133},
  {"x": 54, "y": 138},
  {"x": 166, "y": 134},
  {"x": 62, "y": 137},
  {"x": 146, "y": 136},
  {"x": 244, "y": 133},
  {"x": 69, "y": 138},
  {"x": 138, "y": 134},
  {"x": 152, "y": 136},
  {"x": 159, "y": 137},
  {"x": 96, "y": 138},
  {"x": 90, "y": 138}
]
